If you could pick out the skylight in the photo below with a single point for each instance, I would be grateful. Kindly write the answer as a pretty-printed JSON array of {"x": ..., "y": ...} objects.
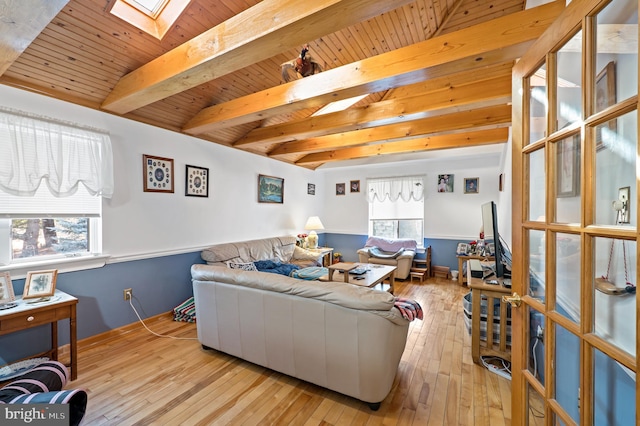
[
  {"x": 155, "y": 17},
  {"x": 150, "y": 7},
  {"x": 339, "y": 105}
]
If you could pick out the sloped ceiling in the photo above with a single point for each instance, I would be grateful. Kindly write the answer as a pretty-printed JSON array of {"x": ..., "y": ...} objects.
[{"x": 436, "y": 73}]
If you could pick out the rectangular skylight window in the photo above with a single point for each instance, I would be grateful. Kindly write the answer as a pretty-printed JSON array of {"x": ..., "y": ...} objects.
[
  {"x": 150, "y": 7},
  {"x": 154, "y": 17}
]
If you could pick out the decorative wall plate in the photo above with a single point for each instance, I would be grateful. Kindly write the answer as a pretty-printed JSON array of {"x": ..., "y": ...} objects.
[
  {"x": 157, "y": 174},
  {"x": 197, "y": 181}
]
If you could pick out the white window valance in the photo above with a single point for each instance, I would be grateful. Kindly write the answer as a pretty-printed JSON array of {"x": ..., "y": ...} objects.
[
  {"x": 37, "y": 149},
  {"x": 392, "y": 188}
]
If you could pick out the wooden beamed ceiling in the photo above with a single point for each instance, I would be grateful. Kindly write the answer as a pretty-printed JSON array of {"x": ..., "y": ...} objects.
[{"x": 437, "y": 72}]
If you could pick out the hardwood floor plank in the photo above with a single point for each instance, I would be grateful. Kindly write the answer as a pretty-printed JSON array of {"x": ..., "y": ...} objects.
[{"x": 135, "y": 378}]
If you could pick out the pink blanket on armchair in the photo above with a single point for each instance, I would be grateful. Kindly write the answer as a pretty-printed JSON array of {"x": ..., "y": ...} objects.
[{"x": 391, "y": 245}]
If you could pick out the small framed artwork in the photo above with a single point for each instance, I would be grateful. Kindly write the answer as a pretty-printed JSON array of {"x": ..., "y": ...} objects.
[
  {"x": 196, "y": 182},
  {"x": 568, "y": 166},
  {"x": 625, "y": 211},
  {"x": 355, "y": 186},
  {"x": 605, "y": 97},
  {"x": 463, "y": 248},
  {"x": 445, "y": 183},
  {"x": 471, "y": 185},
  {"x": 6, "y": 289},
  {"x": 270, "y": 189},
  {"x": 40, "y": 284},
  {"x": 501, "y": 182},
  {"x": 340, "y": 189},
  {"x": 157, "y": 174},
  {"x": 311, "y": 189}
]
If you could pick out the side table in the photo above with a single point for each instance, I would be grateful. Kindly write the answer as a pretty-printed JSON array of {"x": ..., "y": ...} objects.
[
  {"x": 326, "y": 253},
  {"x": 28, "y": 314},
  {"x": 461, "y": 259},
  {"x": 493, "y": 294}
]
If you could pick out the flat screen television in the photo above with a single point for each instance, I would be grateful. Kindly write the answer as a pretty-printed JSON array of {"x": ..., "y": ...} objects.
[{"x": 502, "y": 267}]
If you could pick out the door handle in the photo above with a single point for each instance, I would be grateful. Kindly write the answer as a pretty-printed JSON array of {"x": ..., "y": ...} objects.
[{"x": 514, "y": 300}]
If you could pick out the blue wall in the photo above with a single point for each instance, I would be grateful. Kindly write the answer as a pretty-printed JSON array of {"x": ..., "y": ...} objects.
[
  {"x": 443, "y": 252},
  {"x": 158, "y": 284}
]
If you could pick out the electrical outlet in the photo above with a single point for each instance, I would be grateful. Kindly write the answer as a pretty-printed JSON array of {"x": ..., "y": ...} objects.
[{"x": 127, "y": 294}]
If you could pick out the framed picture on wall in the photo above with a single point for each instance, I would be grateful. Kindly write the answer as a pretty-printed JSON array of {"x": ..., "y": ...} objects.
[
  {"x": 157, "y": 174},
  {"x": 270, "y": 189},
  {"x": 340, "y": 189},
  {"x": 311, "y": 189},
  {"x": 605, "y": 97},
  {"x": 196, "y": 182},
  {"x": 355, "y": 186},
  {"x": 471, "y": 185},
  {"x": 445, "y": 183},
  {"x": 40, "y": 284},
  {"x": 568, "y": 166}
]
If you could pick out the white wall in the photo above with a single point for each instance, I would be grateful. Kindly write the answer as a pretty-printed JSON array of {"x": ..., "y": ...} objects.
[
  {"x": 447, "y": 215},
  {"x": 140, "y": 224}
]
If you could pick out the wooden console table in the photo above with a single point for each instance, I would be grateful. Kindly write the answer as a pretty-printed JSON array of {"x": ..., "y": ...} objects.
[
  {"x": 461, "y": 259},
  {"x": 492, "y": 292},
  {"x": 28, "y": 315}
]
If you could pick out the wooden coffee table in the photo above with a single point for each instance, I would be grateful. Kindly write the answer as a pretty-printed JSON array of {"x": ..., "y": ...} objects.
[{"x": 376, "y": 274}]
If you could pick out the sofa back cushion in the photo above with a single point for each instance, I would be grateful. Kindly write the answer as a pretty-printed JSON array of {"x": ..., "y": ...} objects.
[
  {"x": 280, "y": 248},
  {"x": 338, "y": 293}
]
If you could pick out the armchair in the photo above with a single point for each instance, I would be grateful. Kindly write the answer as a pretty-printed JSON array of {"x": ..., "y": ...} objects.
[{"x": 398, "y": 253}]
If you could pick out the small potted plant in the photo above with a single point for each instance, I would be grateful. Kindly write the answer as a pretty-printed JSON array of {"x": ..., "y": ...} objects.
[{"x": 337, "y": 257}]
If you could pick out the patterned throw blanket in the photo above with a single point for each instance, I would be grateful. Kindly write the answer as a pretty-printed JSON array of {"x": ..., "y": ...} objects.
[
  {"x": 275, "y": 267},
  {"x": 410, "y": 309}
]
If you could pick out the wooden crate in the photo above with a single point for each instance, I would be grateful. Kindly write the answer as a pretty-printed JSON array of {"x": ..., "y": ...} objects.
[{"x": 441, "y": 272}]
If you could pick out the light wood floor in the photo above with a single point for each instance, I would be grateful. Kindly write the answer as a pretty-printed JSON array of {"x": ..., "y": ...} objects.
[{"x": 135, "y": 378}]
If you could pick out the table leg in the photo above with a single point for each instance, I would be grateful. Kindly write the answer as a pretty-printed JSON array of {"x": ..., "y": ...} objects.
[
  {"x": 73, "y": 343},
  {"x": 392, "y": 281},
  {"x": 475, "y": 326},
  {"x": 54, "y": 340},
  {"x": 460, "y": 277}
]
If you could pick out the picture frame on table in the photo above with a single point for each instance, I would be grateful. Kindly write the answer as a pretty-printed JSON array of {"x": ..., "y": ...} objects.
[
  {"x": 568, "y": 166},
  {"x": 40, "y": 284},
  {"x": 270, "y": 189},
  {"x": 6, "y": 289},
  {"x": 197, "y": 181},
  {"x": 605, "y": 96},
  {"x": 157, "y": 174}
]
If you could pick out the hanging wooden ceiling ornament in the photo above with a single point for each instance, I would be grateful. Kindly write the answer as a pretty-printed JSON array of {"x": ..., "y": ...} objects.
[{"x": 304, "y": 65}]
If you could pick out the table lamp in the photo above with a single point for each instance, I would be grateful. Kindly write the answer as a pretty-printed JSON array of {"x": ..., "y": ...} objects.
[{"x": 313, "y": 223}]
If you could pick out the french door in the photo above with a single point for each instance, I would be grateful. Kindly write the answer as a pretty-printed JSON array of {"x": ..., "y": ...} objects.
[{"x": 575, "y": 216}]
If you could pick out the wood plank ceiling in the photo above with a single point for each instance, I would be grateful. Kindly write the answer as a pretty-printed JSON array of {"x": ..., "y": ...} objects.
[{"x": 437, "y": 73}]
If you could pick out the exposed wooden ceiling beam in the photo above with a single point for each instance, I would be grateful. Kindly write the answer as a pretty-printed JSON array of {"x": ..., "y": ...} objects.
[
  {"x": 449, "y": 88},
  {"x": 400, "y": 67},
  {"x": 20, "y": 23},
  {"x": 464, "y": 140},
  {"x": 258, "y": 33},
  {"x": 466, "y": 97},
  {"x": 492, "y": 117}
]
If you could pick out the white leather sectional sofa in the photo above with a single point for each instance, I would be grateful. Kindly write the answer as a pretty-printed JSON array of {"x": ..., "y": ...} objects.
[{"x": 339, "y": 336}]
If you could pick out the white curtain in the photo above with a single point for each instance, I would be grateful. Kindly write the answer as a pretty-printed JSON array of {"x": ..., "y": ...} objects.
[
  {"x": 404, "y": 187},
  {"x": 36, "y": 149}
]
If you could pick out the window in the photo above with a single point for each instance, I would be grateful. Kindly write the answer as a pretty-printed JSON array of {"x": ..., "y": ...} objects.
[
  {"x": 52, "y": 177},
  {"x": 396, "y": 208},
  {"x": 155, "y": 17}
]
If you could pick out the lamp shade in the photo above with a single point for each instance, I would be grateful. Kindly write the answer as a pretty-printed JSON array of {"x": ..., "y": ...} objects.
[{"x": 313, "y": 223}]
